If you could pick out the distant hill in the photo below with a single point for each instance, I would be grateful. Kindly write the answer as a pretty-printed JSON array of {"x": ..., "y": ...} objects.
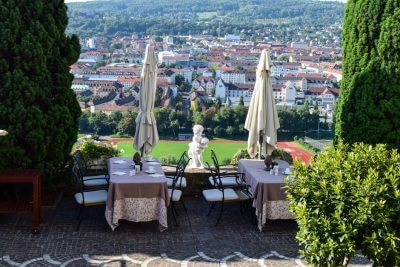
[{"x": 159, "y": 17}]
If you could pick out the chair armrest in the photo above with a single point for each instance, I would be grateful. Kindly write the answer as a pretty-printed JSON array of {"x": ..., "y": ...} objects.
[
  {"x": 90, "y": 165},
  {"x": 168, "y": 165},
  {"x": 90, "y": 179}
]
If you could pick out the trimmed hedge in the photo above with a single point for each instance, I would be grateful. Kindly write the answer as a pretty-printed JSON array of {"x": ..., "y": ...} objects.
[{"x": 348, "y": 200}]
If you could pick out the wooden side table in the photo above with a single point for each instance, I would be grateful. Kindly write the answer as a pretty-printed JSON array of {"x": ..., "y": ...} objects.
[{"x": 26, "y": 177}]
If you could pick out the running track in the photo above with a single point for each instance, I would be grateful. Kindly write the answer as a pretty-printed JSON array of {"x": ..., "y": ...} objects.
[{"x": 296, "y": 151}]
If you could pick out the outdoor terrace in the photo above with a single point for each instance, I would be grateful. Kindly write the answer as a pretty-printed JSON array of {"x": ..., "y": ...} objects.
[{"x": 236, "y": 241}]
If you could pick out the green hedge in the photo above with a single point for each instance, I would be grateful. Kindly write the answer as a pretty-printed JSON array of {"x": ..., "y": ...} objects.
[
  {"x": 95, "y": 150},
  {"x": 276, "y": 154},
  {"x": 348, "y": 200}
]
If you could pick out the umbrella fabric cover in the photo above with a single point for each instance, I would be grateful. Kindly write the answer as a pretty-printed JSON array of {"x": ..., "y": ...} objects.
[
  {"x": 262, "y": 117},
  {"x": 146, "y": 136}
]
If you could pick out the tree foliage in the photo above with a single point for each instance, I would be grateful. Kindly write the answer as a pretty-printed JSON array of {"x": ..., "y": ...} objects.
[
  {"x": 190, "y": 16},
  {"x": 369, "y": 102},
  {"x": 301, "y": 120},
  {"x": 38, "y": 107}
]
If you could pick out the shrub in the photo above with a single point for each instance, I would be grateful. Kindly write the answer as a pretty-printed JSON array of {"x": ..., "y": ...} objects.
[
  {"x": 276, "y": 154},
  {"x": 226, "y": 161},
  {"x": 348, "y": 200},
  {"x": 169, "y": 159},
  {"x": 282, "y": 155},
  {"x": 96, "y": 150},
  {"x": 241, "y": 154}
]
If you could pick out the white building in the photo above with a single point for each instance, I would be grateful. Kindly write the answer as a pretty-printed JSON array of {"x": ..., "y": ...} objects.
[
  {"x": 232, "y": 93},
  {"x": 206, "y": 82},
  {"x": 91, "y": 43},
  {"x": 129, "y": 81},
  {"x": 232, "y": 37},
  {"x": 169, "y": 40},
  {"x": 207, "y": 73},
  {"x": 164, "y": 54},
  {"x": 92, "y": 56},
  {"x": 301, "y": 45},
  {"x": 185, "y": 73},
  {"x": 233, "y": 77},
  {"x": 220, "y": 90},
  {"x": 285, "y": 93},
  {"x": 325, "y": 97}
]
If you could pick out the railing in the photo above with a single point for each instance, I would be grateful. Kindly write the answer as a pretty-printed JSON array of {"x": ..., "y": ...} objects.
[{"x": 318, "y": 139}]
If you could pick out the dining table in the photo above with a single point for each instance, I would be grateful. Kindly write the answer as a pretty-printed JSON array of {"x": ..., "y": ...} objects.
[
  {"x": 136, "y": 197},
  {"x": 267, "y": 188}
]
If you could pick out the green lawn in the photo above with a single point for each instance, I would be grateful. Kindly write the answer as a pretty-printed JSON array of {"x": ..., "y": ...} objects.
[{"x": 176, "y": 148}]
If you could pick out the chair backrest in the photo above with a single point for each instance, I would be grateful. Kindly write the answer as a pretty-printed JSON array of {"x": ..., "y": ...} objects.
[
  {"x": 180, "y": 170},
  {"x": 182, "y": 162},
  {"x": 80, "y": 161},
  {"x": 214, "y": 156},
  {"x": 216, "y": 163},
  {"x": 216, "y": 177},
  {"x": 77, "y": 177}
]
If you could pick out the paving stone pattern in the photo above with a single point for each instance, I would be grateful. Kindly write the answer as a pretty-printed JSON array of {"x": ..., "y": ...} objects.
[{"x": 195, "y": 242}]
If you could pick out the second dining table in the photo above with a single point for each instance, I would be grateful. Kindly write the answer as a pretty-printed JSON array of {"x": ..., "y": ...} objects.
[
  {"x": 141, "y": 197},
  {"x": 267, "y": 189}
]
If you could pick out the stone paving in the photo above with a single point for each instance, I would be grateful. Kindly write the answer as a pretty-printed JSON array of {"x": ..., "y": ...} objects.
[{"x": 195, "y": 242}]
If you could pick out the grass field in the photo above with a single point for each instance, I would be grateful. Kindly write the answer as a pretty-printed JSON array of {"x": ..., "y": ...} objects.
[{"x": 224, "y": 150}]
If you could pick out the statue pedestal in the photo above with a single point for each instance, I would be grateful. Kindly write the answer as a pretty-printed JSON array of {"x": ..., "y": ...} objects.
[{"x": 197, "y": 178}]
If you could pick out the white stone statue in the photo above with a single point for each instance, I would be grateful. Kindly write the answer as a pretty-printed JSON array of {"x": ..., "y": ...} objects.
[
  {"x": 2, "y": 133},
  {"x": 197, "y": 147}
]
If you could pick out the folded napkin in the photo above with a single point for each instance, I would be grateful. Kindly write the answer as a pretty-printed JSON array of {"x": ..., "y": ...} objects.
[
  {"x": 119, "y": 162},
  {"x": 156, "y": 175},
  {"x": 119, "y": 173}
]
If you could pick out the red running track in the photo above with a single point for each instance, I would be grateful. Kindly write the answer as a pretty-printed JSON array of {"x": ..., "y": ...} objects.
[{"x": 296, "y": 151}]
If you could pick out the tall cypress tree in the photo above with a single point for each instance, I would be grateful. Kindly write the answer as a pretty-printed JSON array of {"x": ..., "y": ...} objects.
[
  {"x": 37, "y": 106},
  {"x": 369, "y": 108}
]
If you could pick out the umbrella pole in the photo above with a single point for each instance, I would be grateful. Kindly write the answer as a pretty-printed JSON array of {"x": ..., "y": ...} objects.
[
  {"x": 142, "y": 151},
  {"x": 260, "y": 142}
]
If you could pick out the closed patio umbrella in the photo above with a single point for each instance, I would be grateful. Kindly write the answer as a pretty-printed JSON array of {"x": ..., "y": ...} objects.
[
  {"x": 262, "y": 118},
  {"x": 146, "y": 136}
]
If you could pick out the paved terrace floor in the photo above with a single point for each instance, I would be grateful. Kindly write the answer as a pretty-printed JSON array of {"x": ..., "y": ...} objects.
[{"x": 196, "y": 242}]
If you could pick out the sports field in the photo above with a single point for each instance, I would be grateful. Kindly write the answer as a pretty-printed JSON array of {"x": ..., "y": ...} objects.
[{"x": 224, "y": 150}]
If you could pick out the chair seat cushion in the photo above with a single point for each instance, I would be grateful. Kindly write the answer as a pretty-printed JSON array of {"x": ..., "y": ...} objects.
[
  {"x": 215, "y": 195},
  {"x": 95, "y": 181},
  {"x": 178, "y": 184},
  {"x": 92, "y": 197},
  {"x": 177, "y": 195},
  {"x": 242, "y": 195},
  {"x": 94, "y": 176},
  {"x": 226, "y": 181}
]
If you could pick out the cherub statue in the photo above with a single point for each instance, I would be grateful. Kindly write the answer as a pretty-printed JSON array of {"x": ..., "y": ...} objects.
[{"x": 197, "y": 147}]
